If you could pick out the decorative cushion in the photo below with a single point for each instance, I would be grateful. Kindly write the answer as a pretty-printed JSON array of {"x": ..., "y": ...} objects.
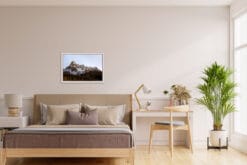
[
  {"x": 56, "y": 114},
  {"x": 43, "y": 113},
  {"x": 175, "y": 123},
  {"x": 86, "y": 118},
  {"x": 108, "y": 115}
]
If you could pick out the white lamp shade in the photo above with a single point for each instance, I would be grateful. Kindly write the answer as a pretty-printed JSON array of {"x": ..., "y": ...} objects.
[
  {"x": 146, "y": 90},
  {"x": 13, "y": 100}
]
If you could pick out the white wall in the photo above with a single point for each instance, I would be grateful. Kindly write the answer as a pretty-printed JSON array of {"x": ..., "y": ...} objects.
[{"x": 158, "y": 46}]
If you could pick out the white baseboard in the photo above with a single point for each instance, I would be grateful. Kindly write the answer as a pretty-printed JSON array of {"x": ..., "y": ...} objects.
[{"x": 239, "y": 142}]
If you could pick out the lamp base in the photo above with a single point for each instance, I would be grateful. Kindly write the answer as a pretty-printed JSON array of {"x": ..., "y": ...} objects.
[{"x": 14, "y": 112}]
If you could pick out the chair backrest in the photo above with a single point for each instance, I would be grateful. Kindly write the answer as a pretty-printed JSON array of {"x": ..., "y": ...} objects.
[{"x": 179, "y": 108}]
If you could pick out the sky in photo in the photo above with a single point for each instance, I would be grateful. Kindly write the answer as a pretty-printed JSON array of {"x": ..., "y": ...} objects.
[{"x": 93, "y": 60}]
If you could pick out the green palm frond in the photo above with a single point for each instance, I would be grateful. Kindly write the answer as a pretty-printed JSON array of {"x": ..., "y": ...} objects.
[{"x": 218, "y": 92}]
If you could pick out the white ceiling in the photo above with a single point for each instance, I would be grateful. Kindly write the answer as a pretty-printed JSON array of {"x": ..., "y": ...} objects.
[{"x": 115, "y": 2}]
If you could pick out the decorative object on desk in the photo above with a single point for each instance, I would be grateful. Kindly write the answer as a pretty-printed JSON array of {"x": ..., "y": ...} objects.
[
  {"x": 82, "y": 67},
  {"x": 145, "y": 91},
  {"x": 148, "y": 104},
  {"x": 14, "y": 103},
  {"x": 180, "y": 95},
  {"x": 218, "y": 94}
]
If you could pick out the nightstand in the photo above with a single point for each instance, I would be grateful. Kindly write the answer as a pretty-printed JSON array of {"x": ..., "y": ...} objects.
[
  {"x": 13, "y": 122},
  {"x": 7, "y": 123}
]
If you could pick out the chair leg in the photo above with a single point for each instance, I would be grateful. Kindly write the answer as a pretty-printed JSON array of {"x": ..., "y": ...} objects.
[
  {"x": 171, "y": 141},
  {"x": 190, "y": 140},
  {"x": 150, "y": 139}
]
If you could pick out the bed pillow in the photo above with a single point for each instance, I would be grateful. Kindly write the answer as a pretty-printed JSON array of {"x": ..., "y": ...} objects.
[
  {"x": 43, "y": 113},
  {"x": 56, "y": 114},
  {"x": 85, "y": 118},
  {"x": 108, "y": 115}
]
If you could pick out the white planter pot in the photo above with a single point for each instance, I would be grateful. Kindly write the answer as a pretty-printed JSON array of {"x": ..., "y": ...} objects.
[{"x": 216, "y": 135}]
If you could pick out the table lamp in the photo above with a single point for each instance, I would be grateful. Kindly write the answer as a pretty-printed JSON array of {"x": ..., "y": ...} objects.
[
  {"x": 145, "y": 91},
  {"x": 14, "y": 103}
]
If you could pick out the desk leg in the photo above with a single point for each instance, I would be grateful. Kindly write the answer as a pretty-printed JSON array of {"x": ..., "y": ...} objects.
[
  {"x": 134, "y": 127},
  {"x": 189, "y": 139}
]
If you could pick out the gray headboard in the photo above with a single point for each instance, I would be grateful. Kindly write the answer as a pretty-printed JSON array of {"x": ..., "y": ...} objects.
[{"x": 91, "y": 99}]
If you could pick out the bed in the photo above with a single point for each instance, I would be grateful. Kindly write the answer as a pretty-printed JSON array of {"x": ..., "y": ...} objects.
[{"x": 39, "y": 140}]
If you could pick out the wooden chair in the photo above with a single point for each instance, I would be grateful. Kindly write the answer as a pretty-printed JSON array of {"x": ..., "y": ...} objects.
[{"x": 172, "y": 125}]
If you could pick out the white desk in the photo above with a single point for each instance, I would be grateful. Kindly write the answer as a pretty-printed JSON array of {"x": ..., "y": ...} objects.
[{"x": 156, "y": 114}]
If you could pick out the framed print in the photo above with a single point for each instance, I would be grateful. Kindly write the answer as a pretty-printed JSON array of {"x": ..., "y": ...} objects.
[{"x": 82, "y": 67}]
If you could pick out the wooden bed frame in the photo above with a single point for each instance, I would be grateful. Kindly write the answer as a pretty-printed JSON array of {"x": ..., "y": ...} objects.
[{"x": 94, "y": 99}]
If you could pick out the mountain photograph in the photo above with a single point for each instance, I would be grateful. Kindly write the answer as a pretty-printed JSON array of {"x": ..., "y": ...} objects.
[{"x": 82, "y": 68}]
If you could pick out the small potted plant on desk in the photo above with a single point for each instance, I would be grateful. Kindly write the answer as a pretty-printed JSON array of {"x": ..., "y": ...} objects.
[
  {"x": 179, "y": 95},
  {"x": 218, "y": 93}
]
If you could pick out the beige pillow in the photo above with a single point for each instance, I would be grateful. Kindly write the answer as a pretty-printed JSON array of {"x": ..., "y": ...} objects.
[
  {"x": 56, "y": 114},
  {"x": 109, "y": 115}
]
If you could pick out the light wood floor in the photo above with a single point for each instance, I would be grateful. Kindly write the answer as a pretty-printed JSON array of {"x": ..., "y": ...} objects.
[{"x": 158, "y": 156}]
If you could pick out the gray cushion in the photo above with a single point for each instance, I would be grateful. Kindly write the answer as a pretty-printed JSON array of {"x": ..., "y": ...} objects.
[
  {"x": 78, "y": 118},
  {"x": 175, "y": 123},
  {"x": 43, "y": 111}
]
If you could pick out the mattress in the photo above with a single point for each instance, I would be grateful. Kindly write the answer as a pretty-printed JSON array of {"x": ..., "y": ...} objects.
[{"x": 70, "y": 136}]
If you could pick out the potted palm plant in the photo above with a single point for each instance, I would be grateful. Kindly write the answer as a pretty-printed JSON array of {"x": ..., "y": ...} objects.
[{"x": 218, "y": 93}]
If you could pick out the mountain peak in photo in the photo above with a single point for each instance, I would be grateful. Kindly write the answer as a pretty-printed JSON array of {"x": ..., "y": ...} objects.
[{"x": 75, "y": 71}]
